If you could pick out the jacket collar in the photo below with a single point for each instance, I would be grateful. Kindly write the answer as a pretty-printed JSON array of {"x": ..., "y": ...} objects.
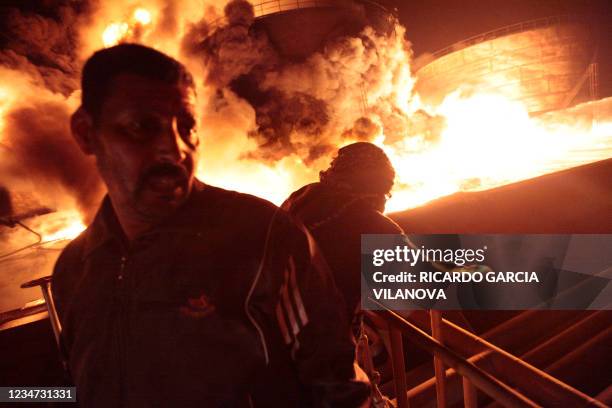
[{"x": 106, "y": 228}]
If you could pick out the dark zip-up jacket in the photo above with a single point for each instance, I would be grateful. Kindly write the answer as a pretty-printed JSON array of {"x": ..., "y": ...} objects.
[
  {"x": 227, "y": 303},
  {"x": 337, "y": 219}
]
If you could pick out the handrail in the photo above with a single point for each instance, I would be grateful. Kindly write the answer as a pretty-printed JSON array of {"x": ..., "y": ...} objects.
[
  {"x": 436, "y": 332},
  {"x": 418, "y": 336},
  {"x": 482, "y": 380}
]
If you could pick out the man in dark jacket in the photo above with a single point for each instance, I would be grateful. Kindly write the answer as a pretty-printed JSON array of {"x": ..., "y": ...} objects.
[
  {"x": 348, "y": 201},
  {"x": 183, "y": 294}
]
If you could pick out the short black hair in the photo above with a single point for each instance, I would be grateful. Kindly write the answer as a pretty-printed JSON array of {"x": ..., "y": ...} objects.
[
  {"x": 362, "y": 168},
  {"x": 104, "y": 65}
]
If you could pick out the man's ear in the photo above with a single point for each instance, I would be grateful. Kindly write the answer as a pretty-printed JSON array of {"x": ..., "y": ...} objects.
[{"x": 81, "y": 124}]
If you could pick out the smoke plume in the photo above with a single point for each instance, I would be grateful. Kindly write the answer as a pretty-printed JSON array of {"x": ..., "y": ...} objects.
[
  {"x": 42, "y": 45},
  {"x": 347, "y": 91},
  {"x": 40, "y": 67}
]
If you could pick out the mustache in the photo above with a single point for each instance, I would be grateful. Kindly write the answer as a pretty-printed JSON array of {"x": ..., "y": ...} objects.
[{"x": 164, "y": 170}]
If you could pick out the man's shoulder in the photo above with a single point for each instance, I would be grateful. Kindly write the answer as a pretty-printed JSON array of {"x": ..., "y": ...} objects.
[
  {"x": 299, "y": 195},
  {"x": 385, "y": 224},
  {"x": 68, "y": 261},
  {"x": 242, "y": 210},
  {"x": 232, "y": 201},
  {"x": 371, "y": 221},
  {"x": 73, "y": 251}
]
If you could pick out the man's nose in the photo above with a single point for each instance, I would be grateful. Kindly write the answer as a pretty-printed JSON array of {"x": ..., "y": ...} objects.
[{"x": 169, "y": 145}]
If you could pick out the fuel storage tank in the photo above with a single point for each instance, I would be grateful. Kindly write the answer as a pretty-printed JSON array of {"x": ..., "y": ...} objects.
[
  {"x": 298, "y": 28},
  {"x": 548, "y": 63}
]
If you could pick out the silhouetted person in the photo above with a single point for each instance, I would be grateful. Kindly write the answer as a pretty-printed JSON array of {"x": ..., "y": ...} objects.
[
  {"x": 182, "y": 294},
  {"x": 348, "y": 201}
]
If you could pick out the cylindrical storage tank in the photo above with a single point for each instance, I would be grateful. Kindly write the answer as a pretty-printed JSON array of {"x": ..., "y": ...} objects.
[
  {"x": 549, "y": 64},
  {"x": 298, "y": 28}
]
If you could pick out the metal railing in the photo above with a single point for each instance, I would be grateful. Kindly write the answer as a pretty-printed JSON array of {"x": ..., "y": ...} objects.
[{"x": 549, "y": 390}]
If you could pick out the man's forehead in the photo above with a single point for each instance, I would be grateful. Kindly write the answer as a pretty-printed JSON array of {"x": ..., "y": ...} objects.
[{"x": 131, "y": 89}]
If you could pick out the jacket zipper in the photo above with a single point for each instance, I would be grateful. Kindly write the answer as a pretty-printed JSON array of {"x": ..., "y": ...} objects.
[{"x": 121, "y": 326}]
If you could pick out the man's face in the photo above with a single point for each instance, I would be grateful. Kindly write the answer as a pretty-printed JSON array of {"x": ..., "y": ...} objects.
[{"x": 145, "y": 144}]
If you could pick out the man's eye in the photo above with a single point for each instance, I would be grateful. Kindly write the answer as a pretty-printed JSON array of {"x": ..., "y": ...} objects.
[
  {"x": 187, "y": 130},
  {"x": 135, "y": 126},
  {"x": 140, "y": 129}
]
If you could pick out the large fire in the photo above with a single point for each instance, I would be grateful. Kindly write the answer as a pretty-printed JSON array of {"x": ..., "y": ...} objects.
[
  {"x": 490, "y": 141},
  {"x": 482, "y": 139}
]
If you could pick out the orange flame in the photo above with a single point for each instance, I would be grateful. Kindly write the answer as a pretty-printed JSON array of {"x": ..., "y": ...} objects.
[
  {"x": 490, "y": 140},
  {"x": 116, "y": 32},
  {"x": 62, "y": 226},
  {"x": 142, "y": 16}
]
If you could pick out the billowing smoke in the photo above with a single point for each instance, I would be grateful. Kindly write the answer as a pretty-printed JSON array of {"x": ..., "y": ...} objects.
[
  {"x": 40, "y": 138},
  {"x": 38, "y": 153},
  {"x": 347, "y": 91},
  {"x": 42, "y": 45},
  {"x": 42, "y": 49},
  {"x": 276, "y": 119},
  {"x": 40, "y": 67}
]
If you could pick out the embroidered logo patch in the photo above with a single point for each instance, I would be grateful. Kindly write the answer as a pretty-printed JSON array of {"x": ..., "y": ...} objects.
[{"x": 198, "y": 307}]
